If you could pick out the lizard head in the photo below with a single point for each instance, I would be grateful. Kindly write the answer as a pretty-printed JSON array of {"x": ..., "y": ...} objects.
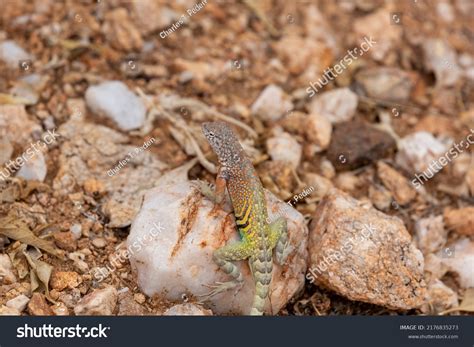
[{"x": 223, "y": 142}]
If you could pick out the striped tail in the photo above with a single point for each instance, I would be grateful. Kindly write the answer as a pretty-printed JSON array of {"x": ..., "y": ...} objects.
[{"x": 262, "y": 273}]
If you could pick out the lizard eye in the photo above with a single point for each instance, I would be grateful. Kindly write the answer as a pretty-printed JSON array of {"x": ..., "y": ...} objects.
[{"x": 210, "y": 134}]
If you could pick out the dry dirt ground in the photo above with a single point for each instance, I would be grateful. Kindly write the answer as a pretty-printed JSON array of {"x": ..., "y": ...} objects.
[{"x": 218, "y": 63}]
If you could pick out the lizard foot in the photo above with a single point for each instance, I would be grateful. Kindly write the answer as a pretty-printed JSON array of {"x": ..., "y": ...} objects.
[
  {"x": 205, "y": 189},
  {"x": 220, "y": 287}
]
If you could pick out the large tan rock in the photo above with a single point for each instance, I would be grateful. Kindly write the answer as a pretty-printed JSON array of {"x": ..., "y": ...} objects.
[{"x": 364, "y": 254}]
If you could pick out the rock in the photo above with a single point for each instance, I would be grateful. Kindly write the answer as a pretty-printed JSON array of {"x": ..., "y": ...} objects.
[
  {"x": 430, "y": 234},
  {"x": 188, "y": 236},
  {"x": 140, "y": 298},
  {"x": 99, "y": 242},
  {"x": 15, "y": 124},
  {"x": 79, "y": 263},
  {"x": 61, "y": 280},
  {"x": 385, "y": 83},
  {"x": 379, "y": 27},
  {"x": 91, "y": 151},
  {"x": 34, "y": 168},
  {"x": 434, "y": 267},
  {"x": 65, "y": 240},
  {"x": 337, "y": 105},
  {"x": 380, "y": 197},
  {"x": 271, "y": 104},
  {"x": 9, "y": 311},
  {"x": 459, "y": 258},
  {"x": 445, "y": 11},
  {"x": 418, "y": 150},
  {"x": 298, "y": 53},
  {"x": 128, "y": 306},
  {"x": 441, "y": 58},
  {"x": 320, "y": 184},
  {"x": 441, "y": 297},
  {"x": 354, "y": 251},
  {"x": 198, "y": 70},
  {"x": 6, "y": 150},
  {"x": 283, "y": 147},
  {"x": 318, "y": 130},
  {"x": 114, "y": 100},
  {"x": 37, "y": 306},
  {"x": 347, "y": 181},
  {"x": 7, "y": 275},
  {"x": 76, "y": 231},
  {"x": 121, "y": 32},
  {"x": 398, "y": 185},
  {"x": 460, "y": 220},
  {"x": 356, "y": 143},
  {"x": 162, "y": 16},
  {"x": 18, "y": 303},
  {"x": 101, "y": 302},
  {"x": 60, "y": 309},
  {"x": 13, "y": 55},
  {"x": 187, "y": 309}
]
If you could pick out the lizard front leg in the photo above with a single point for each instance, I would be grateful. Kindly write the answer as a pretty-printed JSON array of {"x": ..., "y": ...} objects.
[
  {"x": 224, "y": 258},
  {"x": 279, "y": 239},
  {"x": 218, "y": 195}
]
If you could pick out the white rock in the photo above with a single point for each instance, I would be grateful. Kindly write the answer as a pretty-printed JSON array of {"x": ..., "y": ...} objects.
[
  {"x": 284, "y": 147},
  {"x": 177, "y": 258},
  {"x": 430, "y": 234},
  {"x": 12, "y": 54},
  {"x": 336, "y": 105},
  {"x": 101, "y": 302},
  {"x": 441, "y": 58},
  {"x": 459, "y": 258},
  {"x": 271, "y": 104},
  {"x": 417, "y": 151},
  {"x": 19, "y": 303},
  {"x": 76, "y": 230},
  {"x": 60, "y": 309},
  {"x": 34, "y": 168},
  {"x": 6, "y": 270},
  {"x": 116, "y": 101},
  {"x": 187, "y": 309}
]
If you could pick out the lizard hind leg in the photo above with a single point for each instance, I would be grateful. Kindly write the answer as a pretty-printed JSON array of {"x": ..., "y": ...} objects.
[
  {"x": 224, "y": 258},
  {"x": 279, "y": 239}
]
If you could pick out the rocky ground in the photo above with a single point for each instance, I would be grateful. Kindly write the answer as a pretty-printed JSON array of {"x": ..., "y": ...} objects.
[{"x": 356, "y": 114}]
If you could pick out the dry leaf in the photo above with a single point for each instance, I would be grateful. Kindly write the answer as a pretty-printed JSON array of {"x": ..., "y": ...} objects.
[
  {"x": 467, "y": 304},
  {"x": 40, "y": 273},
  {"x": 18, "y": 260},
  {"x": 16, "y": 229}
]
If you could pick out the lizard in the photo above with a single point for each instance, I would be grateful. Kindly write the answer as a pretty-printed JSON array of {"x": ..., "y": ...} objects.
[{"x": 258, "y": 237}]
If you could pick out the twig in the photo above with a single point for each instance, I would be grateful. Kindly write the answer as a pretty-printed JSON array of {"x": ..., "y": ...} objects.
[{"x": 180, "y": 123}]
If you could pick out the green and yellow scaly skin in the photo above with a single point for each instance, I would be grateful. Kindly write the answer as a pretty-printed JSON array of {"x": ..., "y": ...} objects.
[{"x": 258, "y": 238}]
